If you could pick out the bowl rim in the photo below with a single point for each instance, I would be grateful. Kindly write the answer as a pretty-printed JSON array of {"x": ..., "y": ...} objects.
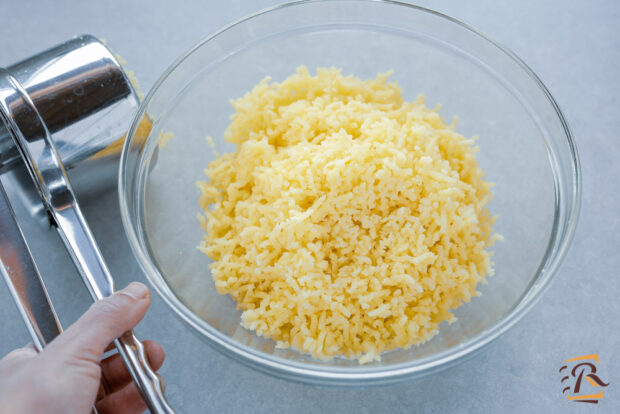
[{"x": 331, "y": 375}]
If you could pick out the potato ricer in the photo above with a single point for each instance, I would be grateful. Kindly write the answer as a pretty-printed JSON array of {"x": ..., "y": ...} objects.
[{"x": 65, "y": 111}]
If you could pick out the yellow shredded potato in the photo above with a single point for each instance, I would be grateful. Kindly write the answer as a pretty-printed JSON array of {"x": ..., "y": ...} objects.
[
  {"x": 210, "y": 141},
  {"x": 349, "y": 221},
  {"x": 163, "y": 138}
]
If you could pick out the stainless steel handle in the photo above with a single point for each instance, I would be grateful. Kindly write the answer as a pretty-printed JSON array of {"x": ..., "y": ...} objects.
[
  {"x": 80, "y": 243},
  {"x": 23, "y": 279},
  {"x": 40, "y": 155},
  {"x": 148, "y": 382}
]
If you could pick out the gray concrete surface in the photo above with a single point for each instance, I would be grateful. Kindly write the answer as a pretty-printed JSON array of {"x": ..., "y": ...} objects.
[{"x": 572, "y": 45}]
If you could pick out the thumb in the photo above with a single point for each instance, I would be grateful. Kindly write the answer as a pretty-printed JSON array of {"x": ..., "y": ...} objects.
[{"x": 106, "y": 320}]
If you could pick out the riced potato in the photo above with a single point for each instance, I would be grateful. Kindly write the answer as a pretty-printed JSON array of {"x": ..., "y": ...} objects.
[{"x": 349, "y": 221}]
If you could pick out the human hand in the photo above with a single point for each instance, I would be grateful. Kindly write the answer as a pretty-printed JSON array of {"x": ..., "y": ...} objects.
[{"x": 66, "y": 376}]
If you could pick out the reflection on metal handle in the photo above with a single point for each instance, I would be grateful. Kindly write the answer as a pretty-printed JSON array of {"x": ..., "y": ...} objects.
[
  {"x": 133, "y": 353},
  {"x": 40, "y": 154},
  {"x": 23, "y": 279}
]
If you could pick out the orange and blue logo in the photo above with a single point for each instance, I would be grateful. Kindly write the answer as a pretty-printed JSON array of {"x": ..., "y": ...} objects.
[{"x": 581, "y": 380}]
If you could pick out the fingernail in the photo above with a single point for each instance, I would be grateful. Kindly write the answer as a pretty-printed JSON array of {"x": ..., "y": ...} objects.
[{"x": 136, "y": 290}]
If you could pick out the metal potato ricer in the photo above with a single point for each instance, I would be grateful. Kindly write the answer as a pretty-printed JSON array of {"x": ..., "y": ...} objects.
[{"x": 65, "y": 112}]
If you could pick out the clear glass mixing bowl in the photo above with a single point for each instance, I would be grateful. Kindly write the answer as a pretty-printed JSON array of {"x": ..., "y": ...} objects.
[{"x": 526, "y": 148}]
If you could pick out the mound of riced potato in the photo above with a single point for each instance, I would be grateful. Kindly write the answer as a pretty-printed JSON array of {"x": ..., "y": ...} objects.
[{"x": 349, "y": 221}]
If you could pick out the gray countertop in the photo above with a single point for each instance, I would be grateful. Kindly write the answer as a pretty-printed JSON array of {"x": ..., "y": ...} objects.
[{"x": 572, "y": 45}]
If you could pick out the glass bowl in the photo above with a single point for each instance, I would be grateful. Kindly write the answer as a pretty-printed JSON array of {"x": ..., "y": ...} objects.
[{"x": 526, "y": 148}]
